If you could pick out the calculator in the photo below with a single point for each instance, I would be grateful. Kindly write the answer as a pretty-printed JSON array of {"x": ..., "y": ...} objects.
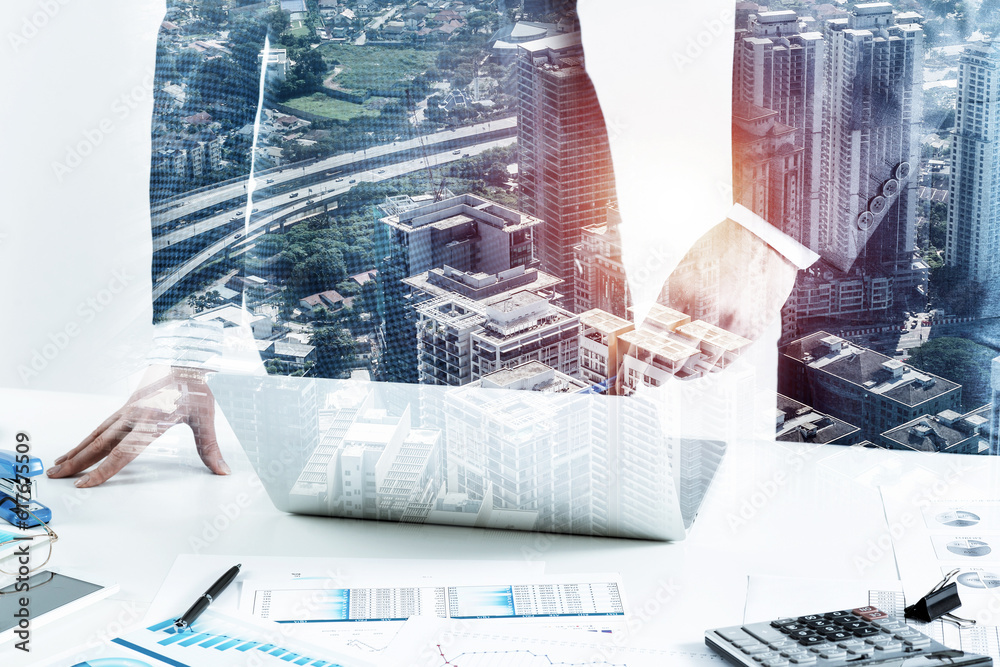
[{"x": 845, "y": 638}]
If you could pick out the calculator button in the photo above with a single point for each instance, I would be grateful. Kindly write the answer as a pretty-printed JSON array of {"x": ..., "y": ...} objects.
[
  {"x": 731, "y": 634},
  {"x": 889, "y": 624},
  {"x": 776, "y": 662},
  {"x": 799, "y": 634},
  {"x": 851, "y": 643},
  {"x": 863, "y": 610},
  {"x": 819, "y": 648},
  {"x": 866, "y": 631},
  {"x": 878, "y": 640},
  {"x": 875, "y": 615},
  {"x": 782, "y": 622},
  {"x": 753, "y": 650},
  {"x": 784, "y": 643},
  {"x": 790, "y": 652},
  {"x": 890, "y": 646},
  {"x": 792, "y": 627},
  {"x": 810, "y": 617},
  {"x": 838, "y": 636},
  {"x": 839, "y": 614},
  {"x": 921, "y": 642},
  {"x": 811, "y": 639},
  {"x": 854, "y": 625},
  {"x": 817, "y": 622},
  {"x": 833, "y": 653},
  {"x": 827, "y": 629},
  {"x": 763, "y": 632},
  {"x": 806, "y": 659},
  {"x": 740, "y": 643},
  {"x": 770, "y": 655},
  {"x": 908, "y": 634}
]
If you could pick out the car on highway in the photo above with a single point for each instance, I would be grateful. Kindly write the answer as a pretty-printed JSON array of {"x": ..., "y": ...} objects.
[
  {"x": 270, "y": 180},
  {"x": 339, "y": 180},
  {"x": 293, "y": 195},
  {"x": 353, "y": 180},
  {"x": 458, "y": 152},
  {"x": 381, "y": 171}
]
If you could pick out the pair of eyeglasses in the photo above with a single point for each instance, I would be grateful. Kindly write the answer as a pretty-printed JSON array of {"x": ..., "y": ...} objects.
[
  {"x": 51, "y": 536},
  {"x": 939, "y": 603}
]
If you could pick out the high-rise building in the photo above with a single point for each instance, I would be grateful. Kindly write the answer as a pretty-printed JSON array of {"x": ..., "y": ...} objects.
[
  {"x": 600, "y": 351},
  {"x": 465, "y": 232},
  {"x": 548, "y": 452},
  {"x": 994, "y": 428},
  {"x": 461, "y": 340},
  {"x": 601, "y": 281},
  {"x": 669, "y": 346},
  {"x": 565, "y": 171},
  {"x": 769, "y": 168},
  {"x": 778, "y": 66},
  {"x": 871, "y": 144},
  {"x": 973, "y": 242}
]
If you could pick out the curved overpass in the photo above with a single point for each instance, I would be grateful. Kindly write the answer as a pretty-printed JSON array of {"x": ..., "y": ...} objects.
[
  {"x": 191, "y": 203},
  {"x": 284, "y": 207}
]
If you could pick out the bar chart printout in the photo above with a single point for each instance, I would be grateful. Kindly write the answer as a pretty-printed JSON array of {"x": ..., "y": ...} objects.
[
  {"x": 519, "y": 601},
  {"x": 218, "y": 640}
]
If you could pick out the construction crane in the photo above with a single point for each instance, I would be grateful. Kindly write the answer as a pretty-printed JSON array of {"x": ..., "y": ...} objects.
[{"x": 440, "y": 191}]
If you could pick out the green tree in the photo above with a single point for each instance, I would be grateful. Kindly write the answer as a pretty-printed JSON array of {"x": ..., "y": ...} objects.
[
  {"x": 335, "y": 353},
  {"x": 961, "y": 361}
]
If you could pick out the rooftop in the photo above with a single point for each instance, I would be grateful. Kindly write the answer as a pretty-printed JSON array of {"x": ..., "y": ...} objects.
[
  {"x": 554, "y": 43},
  {"x": 702, "y": 331},
  {"x": 533, "y": 376},
  {"x": 941, "y": 433},
  {"x": 662, "y": 317},
  {"x": 868, "y": 369},
  {"x": 604, "y": 321},
  {"x": 660, "y": 344},
  {"x": 798, "y": 422},
  {"x": 452, "y": 211}
]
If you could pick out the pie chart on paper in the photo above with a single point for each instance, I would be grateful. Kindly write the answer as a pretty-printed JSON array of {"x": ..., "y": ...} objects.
[
  {"x": 971, "y": 548},
  {"x": 979, "y": 579},
  {"x": 958, "y": 518}
]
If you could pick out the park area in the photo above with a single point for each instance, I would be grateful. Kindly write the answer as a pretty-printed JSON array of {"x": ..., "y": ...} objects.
[{"x": 374, "y": 70}]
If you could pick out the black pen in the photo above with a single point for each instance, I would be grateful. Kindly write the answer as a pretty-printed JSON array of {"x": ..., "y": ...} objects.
[{"x": 201, "y": 604}]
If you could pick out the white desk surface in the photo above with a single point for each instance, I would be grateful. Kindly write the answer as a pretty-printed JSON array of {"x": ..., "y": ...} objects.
[{"x": 774, "y": 509}]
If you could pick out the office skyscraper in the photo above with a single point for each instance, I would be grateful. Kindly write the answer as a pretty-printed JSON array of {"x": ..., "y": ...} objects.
[
  {"x": 780, "y": 68},
  {"x": 566, "y": 174},
  {"x": 973, "y": 243},
  {"x": 871, "y": 143}
]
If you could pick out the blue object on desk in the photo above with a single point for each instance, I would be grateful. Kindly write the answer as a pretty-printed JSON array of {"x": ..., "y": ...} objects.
[{"x": 14, "y": 476}]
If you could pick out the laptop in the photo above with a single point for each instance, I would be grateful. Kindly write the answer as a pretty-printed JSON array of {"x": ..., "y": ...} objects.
[{"x": 544, "y": 457}]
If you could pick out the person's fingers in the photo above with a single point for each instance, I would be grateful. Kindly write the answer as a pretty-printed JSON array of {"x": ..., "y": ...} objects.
[
  {"x": 89, "y": 439},
  {"x": 126, "y": 450},
  {"x": 203, "y": 426},
  {"x": 94, "y": 451}
]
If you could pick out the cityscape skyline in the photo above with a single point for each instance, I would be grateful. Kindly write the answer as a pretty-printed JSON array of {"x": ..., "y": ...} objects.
[{"x": 494, "y": 125}]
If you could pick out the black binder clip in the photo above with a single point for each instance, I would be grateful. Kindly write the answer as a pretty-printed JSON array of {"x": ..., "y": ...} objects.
[{"x": 938, "y": 603}]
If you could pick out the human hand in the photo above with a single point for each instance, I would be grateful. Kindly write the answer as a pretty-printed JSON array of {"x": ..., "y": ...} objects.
[{"x": 166, "y": 396}]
